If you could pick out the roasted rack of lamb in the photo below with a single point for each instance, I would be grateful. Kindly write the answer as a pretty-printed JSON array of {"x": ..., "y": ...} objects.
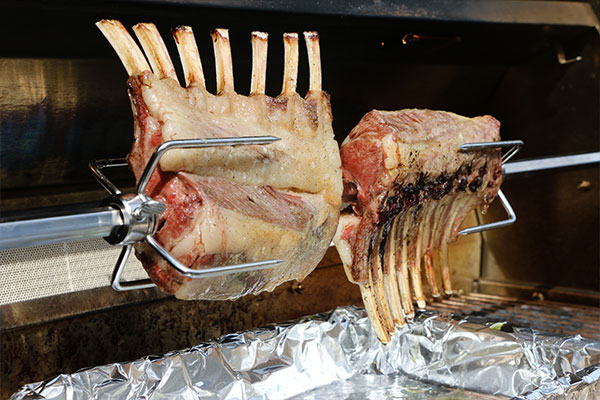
[
  {"x": 410, "y": 188},
  {"x": 231, "y": 205}
]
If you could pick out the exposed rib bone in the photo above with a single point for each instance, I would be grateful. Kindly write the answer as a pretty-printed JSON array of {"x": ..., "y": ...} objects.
[
  {"x": 416, "y": 268},
  {"x": 259, "y": 62},
  {"x": 428, "y": 258},
  {"x": 371, "y": 307},
  {"x": 189, "y": 55},
  {"x": 390, "y": 278},
  {"x": 155, "y": 50},
  {"x": 438, "y": 212},
  {"x": 314, "y": 60},
  {"x": 443, "y": 257},
  {"x": 128, "y": 51},
  {"x": 378, "y": 286},
  {"x": 290, "y": 67},
  {"x": 441, "y": 212},
  {"x": 223, "y": 63},
  {"x": 426, "y": 243},
  {"x": 453, "y": 211},
  {"x": 402, "y": 270},
  {"x": 395, "y": 169}
]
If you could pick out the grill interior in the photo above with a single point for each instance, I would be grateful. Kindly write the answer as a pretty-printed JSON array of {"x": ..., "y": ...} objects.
[
  {"x": 63, "y": 103},
  {"x": 542, "y": 315}
]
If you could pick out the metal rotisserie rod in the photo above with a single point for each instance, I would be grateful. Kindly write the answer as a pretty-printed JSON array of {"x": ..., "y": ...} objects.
[
  {"x": 49, "y": 225},
  {"x": 541, "y": 164},
  {"x": 83, "y": 222}
]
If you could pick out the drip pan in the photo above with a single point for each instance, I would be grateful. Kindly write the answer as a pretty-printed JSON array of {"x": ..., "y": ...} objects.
[{"x": 337, "y": 356}]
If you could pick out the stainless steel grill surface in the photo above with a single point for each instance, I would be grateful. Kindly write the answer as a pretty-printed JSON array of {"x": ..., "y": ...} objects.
[{"x": 546, "y": 316}]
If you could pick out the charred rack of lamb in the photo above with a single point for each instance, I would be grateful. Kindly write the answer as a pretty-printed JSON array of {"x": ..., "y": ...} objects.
[
  {"x": 410, "y": 188},
  {"x": 231, "y": 205}
]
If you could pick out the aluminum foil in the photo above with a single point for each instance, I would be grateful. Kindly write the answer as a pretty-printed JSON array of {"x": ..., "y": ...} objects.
[{"x": 338, "y": 356}]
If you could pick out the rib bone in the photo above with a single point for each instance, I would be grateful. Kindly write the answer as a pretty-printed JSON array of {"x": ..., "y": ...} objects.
[
  {"x": 348, "y": 223},
  {"x": 189, "y": 55},
  {"x": 314, "y": 60},
  {"x": 155, "y": 50},
  {"x": 443, "y": 257},
  {"x": 453, "y": 212},
  {"x": 429, "y": 272},
  {"x": 378, "y": 286},
  {"x": 259, "y": 62},
  {"x": 290, "y": 67},
  {"x": 405, "y": 168},
  {"x": 416, "y": 269},
  {"x": 371, "y": 306},
  {"x": 402, "y": 270},
  {"x": 390, "y": 278},
  {"x": 128, "y": 51},
  {"x": 426, "y": 243},
  {"x": 223, "y": 63},
  {"x": 233, "y": 204}
]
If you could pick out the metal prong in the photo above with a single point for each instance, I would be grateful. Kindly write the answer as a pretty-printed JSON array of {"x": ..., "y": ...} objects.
[
  {"x": 157, "y": 207},
  {"x": 512, "y": 217},
  {"x": 97, "y": 166},
  {"x": 490, "y": 145},
  {"x": 515, "y": 146},
  {"x": 216, "y": 271},
  {"x": 196, "y": 144},
  {"x": 116, "y": 282},
  {"x": 510, "y": 153}
]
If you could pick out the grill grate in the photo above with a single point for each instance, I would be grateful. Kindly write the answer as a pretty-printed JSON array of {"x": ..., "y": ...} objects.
[{"x": 547, "y": 316}]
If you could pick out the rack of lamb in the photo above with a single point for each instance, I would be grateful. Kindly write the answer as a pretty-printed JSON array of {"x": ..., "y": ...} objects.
[
  {"x": 410, "y": 187},
  {"x": 231, "y": 205}
]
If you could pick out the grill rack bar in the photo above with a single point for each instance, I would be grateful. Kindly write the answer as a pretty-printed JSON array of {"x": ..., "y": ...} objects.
[{"x": 544, "y": 315}]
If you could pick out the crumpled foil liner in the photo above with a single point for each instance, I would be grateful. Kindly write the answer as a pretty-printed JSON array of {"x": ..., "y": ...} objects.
[{"x": 337, "y": 356}]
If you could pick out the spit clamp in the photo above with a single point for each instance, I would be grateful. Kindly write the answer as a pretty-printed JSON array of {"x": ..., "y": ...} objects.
[{"x": 140, "y": 213}]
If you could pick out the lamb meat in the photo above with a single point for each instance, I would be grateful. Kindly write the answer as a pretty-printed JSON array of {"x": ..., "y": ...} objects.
[
  {"x": 228, "y": 205},
  {"x": 410, "y": 188}
]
